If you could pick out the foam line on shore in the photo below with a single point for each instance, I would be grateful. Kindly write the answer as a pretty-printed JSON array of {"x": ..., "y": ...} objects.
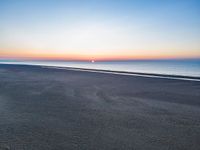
[
  {"x": 113, "y": 72},
  {"x": 126, "y": 74}
]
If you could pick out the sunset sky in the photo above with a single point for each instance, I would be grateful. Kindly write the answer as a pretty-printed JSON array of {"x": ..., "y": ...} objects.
[{"x": 99, "y": 29}]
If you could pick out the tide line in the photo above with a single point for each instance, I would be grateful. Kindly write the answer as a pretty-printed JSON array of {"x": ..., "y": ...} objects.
[{"x": 127, "y": 74}]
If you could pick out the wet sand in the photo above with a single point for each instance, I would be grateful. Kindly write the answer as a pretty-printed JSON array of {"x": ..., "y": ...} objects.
[{"x": 55, "y": 109}]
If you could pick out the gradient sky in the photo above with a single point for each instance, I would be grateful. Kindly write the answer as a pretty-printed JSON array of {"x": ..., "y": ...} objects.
[{"x": 99, "y": 29}]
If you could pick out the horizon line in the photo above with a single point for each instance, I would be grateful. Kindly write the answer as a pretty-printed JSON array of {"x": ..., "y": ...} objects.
[{"x": 97, "y": 60}]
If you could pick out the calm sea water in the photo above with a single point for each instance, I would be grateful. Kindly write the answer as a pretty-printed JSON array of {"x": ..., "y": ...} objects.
[{"x": 168, "y": 67}]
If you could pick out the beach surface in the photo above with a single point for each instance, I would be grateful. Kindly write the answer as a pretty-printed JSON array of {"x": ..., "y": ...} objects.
[{"x": 59, "y": 109}]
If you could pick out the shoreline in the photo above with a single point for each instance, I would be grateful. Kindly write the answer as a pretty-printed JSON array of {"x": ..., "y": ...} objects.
[{"x": 139, "y": 74}]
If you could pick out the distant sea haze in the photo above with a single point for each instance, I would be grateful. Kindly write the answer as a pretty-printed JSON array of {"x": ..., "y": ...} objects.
[{"x": 187, "y": 67}]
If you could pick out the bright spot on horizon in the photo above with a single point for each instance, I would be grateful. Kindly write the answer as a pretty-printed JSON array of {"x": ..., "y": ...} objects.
[{"x": 92, "y": 61}]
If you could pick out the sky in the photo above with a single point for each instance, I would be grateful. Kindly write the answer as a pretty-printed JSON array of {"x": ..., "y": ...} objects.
[{"x": 99, "y": 29}]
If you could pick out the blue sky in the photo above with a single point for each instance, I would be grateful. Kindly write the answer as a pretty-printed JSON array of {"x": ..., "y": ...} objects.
[{"x": 99, "y": 28}]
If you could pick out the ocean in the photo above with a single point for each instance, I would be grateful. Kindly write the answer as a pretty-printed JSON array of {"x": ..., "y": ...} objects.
[{"x": 186, "y": 67}]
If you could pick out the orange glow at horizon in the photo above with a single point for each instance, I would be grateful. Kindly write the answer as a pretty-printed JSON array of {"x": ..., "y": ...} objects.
[{"x": 30, "y": 55}]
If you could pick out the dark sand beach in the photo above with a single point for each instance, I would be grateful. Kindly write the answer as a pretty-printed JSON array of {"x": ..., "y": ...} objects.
[{"x": 55, "y": 109}]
